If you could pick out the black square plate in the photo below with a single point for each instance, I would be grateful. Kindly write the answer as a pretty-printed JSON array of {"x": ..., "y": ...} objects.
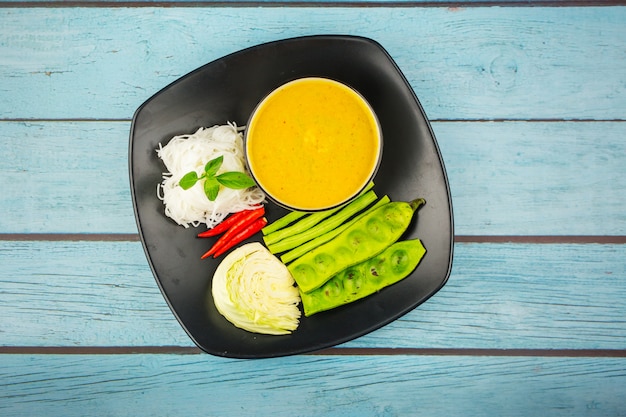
[{"x": 227, "y": 90}]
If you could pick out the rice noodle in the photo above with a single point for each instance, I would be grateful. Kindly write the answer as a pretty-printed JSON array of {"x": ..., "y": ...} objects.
[{"x": 185, "y": 153}]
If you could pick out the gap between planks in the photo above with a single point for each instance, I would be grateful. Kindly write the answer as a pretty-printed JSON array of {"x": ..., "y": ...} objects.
[
  {"x": 316, "y": 4},
  {"x": 335, "y": 351},
  {"x": 133, "y": 237}
]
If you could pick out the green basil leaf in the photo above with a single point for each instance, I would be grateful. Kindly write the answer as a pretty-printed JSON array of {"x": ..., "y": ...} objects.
[
  {"x": 235, "y": 180},
  {"x": 213, "y": 165},
  {"x": 188, "y": 180},
  {"x": 211, "y": 188}
]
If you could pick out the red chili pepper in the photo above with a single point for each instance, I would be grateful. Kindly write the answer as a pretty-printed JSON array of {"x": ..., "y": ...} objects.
[
  {"x": 253, "y": 228},
  {"x": 231, "y": 220},
  {"x": 243, "y": 222}
]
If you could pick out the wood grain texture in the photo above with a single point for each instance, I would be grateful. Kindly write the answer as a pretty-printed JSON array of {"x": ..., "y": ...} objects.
[
  {"x": 73, "y": 295},
  {"x": 522, "y": 328},
  {"x": 535, "y": 178},
  {"x": 65, "y": 178},
  {"x": 474, "y": 63},
  {"x": 499, "y": 296},
  {"x": 147, "y": 385},
  {"x": 506, "y": 178},
  {"x": 307, "y": 3}
]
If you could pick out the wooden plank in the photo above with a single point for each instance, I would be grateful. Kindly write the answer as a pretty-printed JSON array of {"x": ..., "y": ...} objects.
[
  {"x": 76, "y": 175},
  {"x": 506, "y": 178},
  {"x": 82, "y": 293},
  {"x": 499, "y": 296},
  {"x": 535, "y": 178},
  {"x": 463, "y": 63},
  {"x": 198, "y": 385},
  {"x": 303, "y": 3},
  {"x": 531, "y": 296}
]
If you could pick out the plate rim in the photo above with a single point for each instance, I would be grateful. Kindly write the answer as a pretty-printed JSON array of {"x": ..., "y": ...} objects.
[{"x": 348, "y": 337}]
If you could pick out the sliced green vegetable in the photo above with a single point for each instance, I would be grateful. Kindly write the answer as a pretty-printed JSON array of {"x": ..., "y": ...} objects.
[
  {"x": 332, "y": 222},
  {"x": 303, "y": 224},
  {"x": 306, "y": 223},
  {"x": 367, "y": 237},
  {"x": 284, "y": 221},
  {"x": 392, "y": 265},
  {"x": 312, "y": 244}
]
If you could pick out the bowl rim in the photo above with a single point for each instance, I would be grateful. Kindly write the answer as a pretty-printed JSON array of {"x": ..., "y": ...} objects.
[{"x": 371, "y": 174}]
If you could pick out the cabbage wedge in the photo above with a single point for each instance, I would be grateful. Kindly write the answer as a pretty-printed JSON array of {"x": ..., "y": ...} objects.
[{"x": 255, "y": 291}]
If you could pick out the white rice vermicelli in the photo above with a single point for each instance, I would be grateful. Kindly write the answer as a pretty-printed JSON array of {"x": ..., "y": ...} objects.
[{"x": 186, "y": 153}]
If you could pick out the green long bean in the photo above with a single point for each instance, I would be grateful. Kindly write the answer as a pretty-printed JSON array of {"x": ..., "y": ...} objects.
[
  {"x": 298, "y": 251},
  {"x": 284, "y": 221},
  {"x": 327, "y": 225},
  {"x": 305, "y": 223}
]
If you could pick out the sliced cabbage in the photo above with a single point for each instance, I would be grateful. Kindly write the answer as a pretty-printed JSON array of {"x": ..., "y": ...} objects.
[{"x": 255, "y": 291}]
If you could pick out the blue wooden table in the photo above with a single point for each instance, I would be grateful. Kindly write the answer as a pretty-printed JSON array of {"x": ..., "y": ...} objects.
[{"x": 528, "y": 103}]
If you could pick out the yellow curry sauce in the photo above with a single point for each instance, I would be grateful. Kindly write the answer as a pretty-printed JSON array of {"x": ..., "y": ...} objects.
[{"x": 313, "y": 143}]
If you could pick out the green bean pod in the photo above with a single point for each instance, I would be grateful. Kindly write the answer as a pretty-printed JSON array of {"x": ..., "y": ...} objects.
[
  {"x": 359, "y": 281},
  {"x": 364, "y": 239}
]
